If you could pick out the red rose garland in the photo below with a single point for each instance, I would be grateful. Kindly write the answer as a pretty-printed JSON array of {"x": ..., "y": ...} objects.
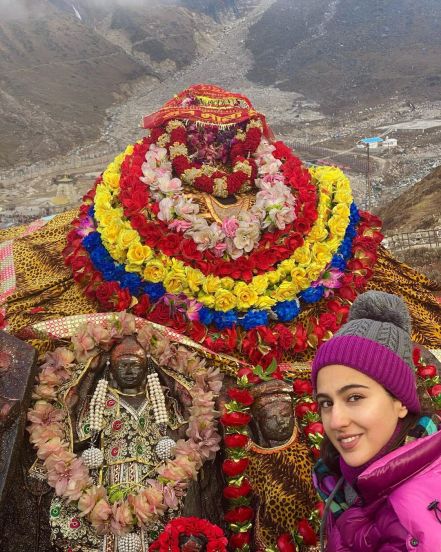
[
  {"x": 306, "y": 410},
  {"x": 430, "y": 378},
  {"x": 219, "y": 183},
  {"x": 238, "y": 491},
  {"x": 260, "y": 345},
  {"x": 235, "y": 420},
  {"x": 273, "y": 247},
  {"x": 168, "y": 540}
]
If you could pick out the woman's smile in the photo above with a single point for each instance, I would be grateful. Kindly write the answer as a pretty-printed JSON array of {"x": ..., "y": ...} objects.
[{"x": 350, "y": 442}]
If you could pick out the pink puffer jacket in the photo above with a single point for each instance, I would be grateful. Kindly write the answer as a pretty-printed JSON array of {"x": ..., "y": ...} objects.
[{"x": 399, "y": 508}]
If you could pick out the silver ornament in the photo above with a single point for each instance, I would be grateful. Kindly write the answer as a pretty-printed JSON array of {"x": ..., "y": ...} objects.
[
  {"x": 129, "y": 543},
  {"x": 93, "y": 458},
  {"x": 164, "y": 448}
]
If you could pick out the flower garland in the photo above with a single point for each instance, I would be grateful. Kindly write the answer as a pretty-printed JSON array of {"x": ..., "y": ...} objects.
[
  {"x": 273, "y": 246},
  {"x": 295, "y": 274},
  {"x": 208, "y": 178},
  {"x": 114, "y": 288},
  {"x": 168, "y": 540},
  {"x": 114, "y": 510},
  {"x": 124, "y": 243},
  {"x": 307, "y": 414},
  {"x": 262, "y": 345},
  {"x": 238, "y": 491},
  {"x": 283, "y": 311},
  {"x": 274, "y": 207},
  {"x": 259, "y": 345},
  {"x": 430, "y": 378},
  {"x": 287, "y": 310}
]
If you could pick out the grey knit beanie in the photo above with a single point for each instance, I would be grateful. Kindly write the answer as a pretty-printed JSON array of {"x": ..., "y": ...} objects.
[{"x": 383, "y": 318}]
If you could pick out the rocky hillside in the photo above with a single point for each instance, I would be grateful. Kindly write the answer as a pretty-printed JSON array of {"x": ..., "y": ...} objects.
[
  {"x": 344, "y": 52},
  {"x": 63, "y": 63},
  {"x": 57, "y": 78},
  {"x": 418, "y": 208}
]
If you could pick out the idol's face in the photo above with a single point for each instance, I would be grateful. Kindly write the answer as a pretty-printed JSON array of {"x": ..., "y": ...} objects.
[
  {"x": 129, "y": 372},
  {"x": 276, "y": 418},
  {"x": 358, "y": 414}
]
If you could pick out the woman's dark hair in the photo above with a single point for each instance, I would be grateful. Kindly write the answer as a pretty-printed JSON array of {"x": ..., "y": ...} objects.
[{"x": 331, "y": 457}]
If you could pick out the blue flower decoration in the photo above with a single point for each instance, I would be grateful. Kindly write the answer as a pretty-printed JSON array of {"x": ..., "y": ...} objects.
[
  {"x": 312, "y": 294},
  {"x": 350, "y": 232},
  {"x": 224, "y": 320},
  {"x": 154, "y": 291},
  {"x": 118, "y": 272},
  {"x": 338, "y": 262},
  {"x": 91, "y": 241},
  {"x": 286, "y": 310},
  {"x": 345, "y": 248},
  {"x": 254, "y": 318},
  {"x": 206, "y": 315},
  {"x": 100, "y": 257},
  {"x": 355, "y": 215},
  {"x": 132, "y": 282}
]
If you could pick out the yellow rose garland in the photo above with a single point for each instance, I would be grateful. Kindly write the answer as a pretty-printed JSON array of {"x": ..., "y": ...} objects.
[{"x": 223, "y": 294}]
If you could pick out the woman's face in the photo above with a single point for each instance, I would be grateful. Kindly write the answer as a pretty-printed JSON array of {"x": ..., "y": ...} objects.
[{"x": 358, "y": 414}]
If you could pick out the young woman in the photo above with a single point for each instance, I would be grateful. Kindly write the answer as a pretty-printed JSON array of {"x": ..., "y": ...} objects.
[{"x": 380, "y": 466}]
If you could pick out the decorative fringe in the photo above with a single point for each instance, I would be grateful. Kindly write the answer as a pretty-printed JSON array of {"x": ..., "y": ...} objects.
[{"x": 219, "y": 102}]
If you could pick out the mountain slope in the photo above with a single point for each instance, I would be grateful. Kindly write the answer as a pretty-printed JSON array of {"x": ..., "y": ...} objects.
[
  {"x": 57, "y": 79},
  {"x": 63, "y": 63},
  {"x": 342, "y": 52},
  {"x": 418, "y": 208}
]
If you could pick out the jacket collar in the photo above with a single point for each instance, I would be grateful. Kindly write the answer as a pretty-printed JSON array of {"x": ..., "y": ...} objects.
[{"x": 394, "y": 468}]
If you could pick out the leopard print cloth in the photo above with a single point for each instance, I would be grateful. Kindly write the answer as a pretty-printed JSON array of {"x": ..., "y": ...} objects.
[{"x": 281, "y": 479}]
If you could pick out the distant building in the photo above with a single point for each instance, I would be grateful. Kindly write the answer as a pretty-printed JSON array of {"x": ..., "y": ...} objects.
[
  {"x": 371, "y": 143},
  {"x": 28, "y": 210},
  {"x": 66, "y": 186},
  {"x": 389, "y": 142}
]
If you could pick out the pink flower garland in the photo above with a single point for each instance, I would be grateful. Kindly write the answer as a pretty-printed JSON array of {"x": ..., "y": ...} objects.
[{"x": 67, "y": 473}]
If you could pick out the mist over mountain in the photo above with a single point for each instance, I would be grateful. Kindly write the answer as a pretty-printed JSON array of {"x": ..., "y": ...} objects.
[
  {"x": 343, "y": 52},
  {"x": 96, "y": 8}
]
